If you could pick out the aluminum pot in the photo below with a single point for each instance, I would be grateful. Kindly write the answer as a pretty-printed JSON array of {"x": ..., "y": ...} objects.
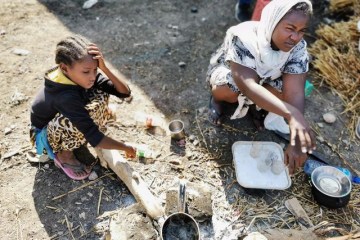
[
  {"x": 180, "y": 225},
  {"x": 330, "y": 187}
]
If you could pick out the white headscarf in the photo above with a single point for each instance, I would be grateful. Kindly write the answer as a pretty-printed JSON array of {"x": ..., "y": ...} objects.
[{"x": 256, "y": 36}]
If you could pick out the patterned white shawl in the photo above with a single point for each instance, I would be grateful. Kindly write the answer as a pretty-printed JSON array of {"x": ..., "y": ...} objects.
[{"x": 256, "y": 36}]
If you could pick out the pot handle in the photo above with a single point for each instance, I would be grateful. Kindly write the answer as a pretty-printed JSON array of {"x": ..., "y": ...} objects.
[{"x": 182, "y": 196}]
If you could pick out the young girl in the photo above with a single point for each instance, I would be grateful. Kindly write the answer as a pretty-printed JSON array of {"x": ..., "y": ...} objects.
[
  {"x": 265, "y": 63},
  {"x": 72, "y": 107}
]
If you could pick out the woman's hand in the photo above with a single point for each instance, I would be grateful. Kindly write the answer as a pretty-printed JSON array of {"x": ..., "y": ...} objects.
[
  {"x": 130, "y": 151},
  {"x": 94, "y": 50},
  {"x": 294, "y": 158},
  {"x": 301, "y": 133}
]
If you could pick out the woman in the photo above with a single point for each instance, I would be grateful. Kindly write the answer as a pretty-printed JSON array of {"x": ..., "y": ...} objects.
[{"x": 265, "y": 63}]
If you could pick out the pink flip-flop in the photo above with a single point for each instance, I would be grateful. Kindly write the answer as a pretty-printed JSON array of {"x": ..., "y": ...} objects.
[{"x": 71, "y": 170}]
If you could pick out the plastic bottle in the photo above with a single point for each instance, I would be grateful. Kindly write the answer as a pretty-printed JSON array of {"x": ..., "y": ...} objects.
[
  {"x": 147, "y": 120},
  {"x": 143, "y": 151},
  {"x": 309, "y": 87}
]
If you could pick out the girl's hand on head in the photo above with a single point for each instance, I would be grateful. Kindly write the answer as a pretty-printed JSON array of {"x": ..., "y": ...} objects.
[
  {"x": 301, "y": 133},
  {"x": 94, "y": 50}
]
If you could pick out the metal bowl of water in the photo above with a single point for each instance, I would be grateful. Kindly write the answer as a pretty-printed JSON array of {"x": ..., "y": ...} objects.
[{"x": 330, "y": 186}]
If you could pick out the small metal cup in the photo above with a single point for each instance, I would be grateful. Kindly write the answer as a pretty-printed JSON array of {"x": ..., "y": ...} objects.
[{"x": 176, "y": 128}]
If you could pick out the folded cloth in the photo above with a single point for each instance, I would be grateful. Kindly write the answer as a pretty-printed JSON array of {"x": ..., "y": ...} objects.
[
  {"x": 242, "y": 108},
  {"x": 276, "y": 122},
  {"x": 42, "y": 143}
]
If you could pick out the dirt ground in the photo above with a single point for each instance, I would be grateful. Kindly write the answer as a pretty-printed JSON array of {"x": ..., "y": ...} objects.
[{"x": 145, "y": 40}]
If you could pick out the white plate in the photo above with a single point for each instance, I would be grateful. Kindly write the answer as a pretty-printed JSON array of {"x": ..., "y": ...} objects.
[{"x": 247, "y": 173}]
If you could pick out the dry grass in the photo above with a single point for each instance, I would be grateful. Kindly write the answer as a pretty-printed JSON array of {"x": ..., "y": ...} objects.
[
  {"x": 340, "y": 5},
  {"x": 336, "y": 59}
]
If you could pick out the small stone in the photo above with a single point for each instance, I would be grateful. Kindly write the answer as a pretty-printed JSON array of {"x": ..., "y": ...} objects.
[
  {"x": 202, "y": 110},
  {"x": 21, "y": 52},
  {"x": 93, "y": 176},
  {"x": 320, "y": 138},
  {"x": 7, "y": 130},
  {"x": 192, "y": 137},
  {"x": 329, "y": 117},
  {"x": 88, "y": 4},
  {"x": 175, "y": 161},
  {"x": 328, "y": 21},
  {"x": 196, "y": 142},
  {"x": 194, "y": 10},
  {"x": 129, "y": 99},
  {"x": 82, "y": 215},
  {"x": 5, "y": 214},
  {"x": 213, "y": 175},
  {"x": 46, "y": 166},
  {"x": 182, "y": 64},
  {"x": 320, "y": 125},
  {"x": 2, "y": 32}
]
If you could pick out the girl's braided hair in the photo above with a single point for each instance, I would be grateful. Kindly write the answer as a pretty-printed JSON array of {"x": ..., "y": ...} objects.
[
  {"x": 71, "y": 49},
  {"x": 302, "y": 7}
]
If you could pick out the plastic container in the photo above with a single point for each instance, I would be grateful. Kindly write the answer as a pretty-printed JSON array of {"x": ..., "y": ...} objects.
[
  {"x": 246, "y": 157},
  {"x": 147, "y": 120}
]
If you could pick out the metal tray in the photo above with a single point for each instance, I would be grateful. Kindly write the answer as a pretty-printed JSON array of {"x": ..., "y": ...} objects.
[{"x": 247, "y": 172}]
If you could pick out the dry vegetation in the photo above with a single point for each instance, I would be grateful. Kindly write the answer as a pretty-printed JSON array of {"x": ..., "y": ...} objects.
[{"x": 337, "y": 56}]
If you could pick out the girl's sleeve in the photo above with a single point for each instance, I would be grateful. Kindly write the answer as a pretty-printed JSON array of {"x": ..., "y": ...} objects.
[
  {"x": 105, "y": 84},
  {"x": 298, "y": 61},
  {"x": 71, "y": 107}
]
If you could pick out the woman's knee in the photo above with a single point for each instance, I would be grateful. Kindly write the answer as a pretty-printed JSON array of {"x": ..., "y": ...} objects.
[{"x": 224, "y": 93}]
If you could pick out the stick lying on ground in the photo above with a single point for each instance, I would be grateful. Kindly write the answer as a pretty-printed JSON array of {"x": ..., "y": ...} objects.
[{"x": 132, "y": 180}]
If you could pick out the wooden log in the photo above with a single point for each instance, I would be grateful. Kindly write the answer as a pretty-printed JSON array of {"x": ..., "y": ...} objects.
[{"x": 133, "y": 181}]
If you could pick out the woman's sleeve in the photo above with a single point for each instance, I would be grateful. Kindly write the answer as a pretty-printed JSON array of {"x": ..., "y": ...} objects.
[
  {"x": 298, "y": 61},
  {"x": 235, "y": 51},
  {"x": 104, "y": 84}
]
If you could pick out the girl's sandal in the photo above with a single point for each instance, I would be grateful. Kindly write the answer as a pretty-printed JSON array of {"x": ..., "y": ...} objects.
[{"x": 75, "y": 172}]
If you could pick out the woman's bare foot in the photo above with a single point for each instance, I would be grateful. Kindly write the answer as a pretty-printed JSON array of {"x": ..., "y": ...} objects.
[{"x": 257, "y": 117}]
